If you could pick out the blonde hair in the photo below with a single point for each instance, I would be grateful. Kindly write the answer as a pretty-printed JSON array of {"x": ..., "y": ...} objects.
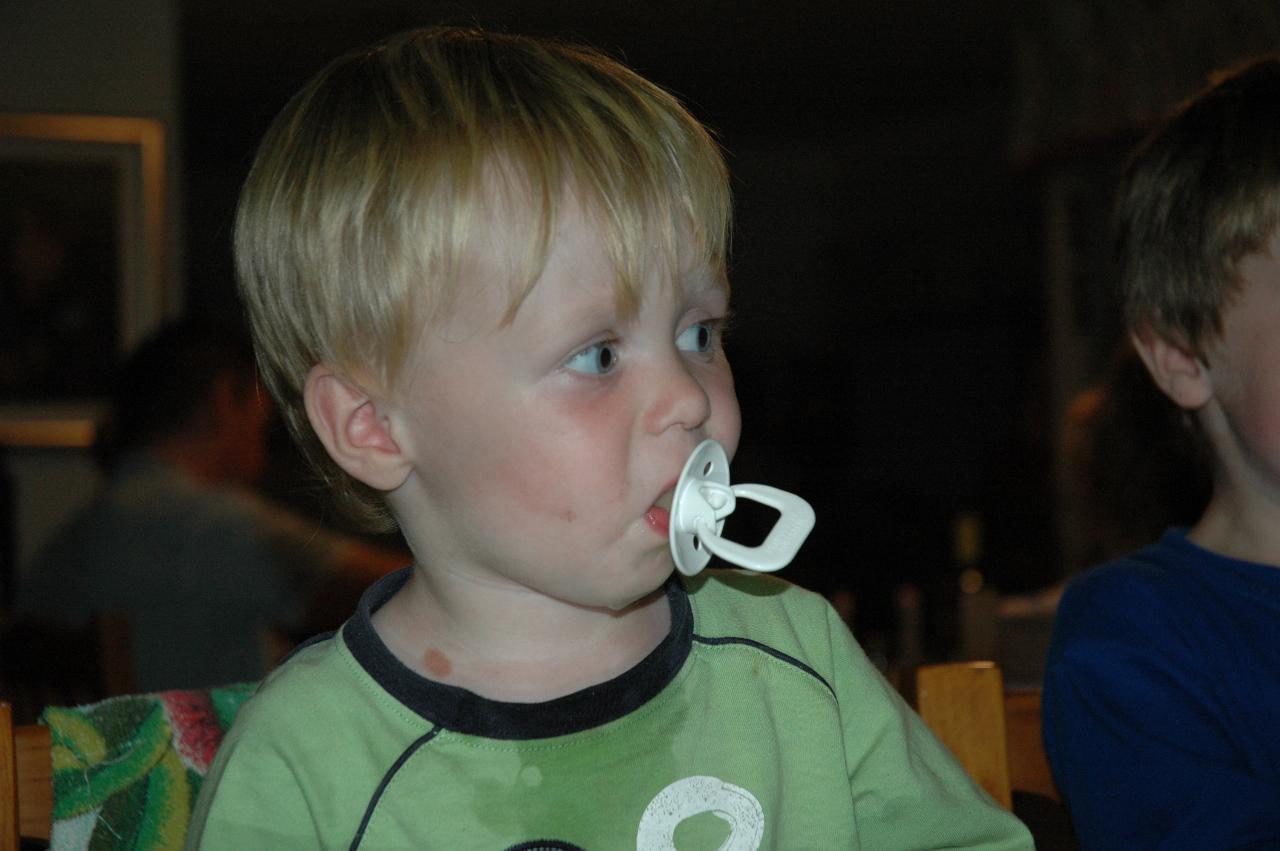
[{"x": 356, "y": 215}]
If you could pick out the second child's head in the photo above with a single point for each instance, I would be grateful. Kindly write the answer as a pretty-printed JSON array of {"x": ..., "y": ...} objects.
[
  {"x": 1198, "y": 220},
  {"x": 1200, "y": 194},
  {"x": 484, "y": 272}
]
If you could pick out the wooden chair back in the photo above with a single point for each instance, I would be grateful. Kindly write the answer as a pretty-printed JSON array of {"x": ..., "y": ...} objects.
[
  {"x": 1028, "y": 765},
  {"x": 994, "y": 734},
  {"x": 26, "y": 781}
]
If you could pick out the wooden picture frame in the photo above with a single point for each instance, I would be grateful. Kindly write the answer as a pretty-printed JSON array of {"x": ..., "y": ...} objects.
[{"x": 82, "y": 244}]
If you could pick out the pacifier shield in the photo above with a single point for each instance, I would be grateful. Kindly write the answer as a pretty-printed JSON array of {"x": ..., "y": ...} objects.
[{"x": 692, "y": 514}]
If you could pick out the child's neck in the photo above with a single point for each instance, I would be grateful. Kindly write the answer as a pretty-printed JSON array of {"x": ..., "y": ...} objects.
[
  {"x": 1240, "y": 524},
  {"x": 513, "y": 644}
]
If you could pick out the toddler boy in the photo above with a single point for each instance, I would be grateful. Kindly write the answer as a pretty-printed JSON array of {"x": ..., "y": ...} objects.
[
  {"x": 487, "y": 281},
  {"x": 1163, "y": 683}
]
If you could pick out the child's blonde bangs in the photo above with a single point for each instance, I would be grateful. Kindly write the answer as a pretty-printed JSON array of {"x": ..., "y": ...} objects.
[{"x": 651, "y": 177}]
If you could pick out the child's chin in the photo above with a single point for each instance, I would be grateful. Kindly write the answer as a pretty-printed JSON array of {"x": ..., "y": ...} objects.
[{"x": 642, "y": 598}]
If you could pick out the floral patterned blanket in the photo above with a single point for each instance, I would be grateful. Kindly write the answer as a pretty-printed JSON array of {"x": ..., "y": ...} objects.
[{"x": 126, "y": 770}]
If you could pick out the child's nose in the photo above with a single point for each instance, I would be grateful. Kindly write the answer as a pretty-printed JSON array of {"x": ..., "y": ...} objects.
[{"x": 678, "y": 398}]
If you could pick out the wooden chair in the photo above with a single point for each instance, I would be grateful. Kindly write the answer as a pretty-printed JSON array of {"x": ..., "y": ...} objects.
[
  {"x": 26, "y": 781},
  {"x": 993, "y": 733}
]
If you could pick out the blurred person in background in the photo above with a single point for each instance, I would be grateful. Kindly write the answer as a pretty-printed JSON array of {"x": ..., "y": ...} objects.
[{"x": 205, "y": 570}]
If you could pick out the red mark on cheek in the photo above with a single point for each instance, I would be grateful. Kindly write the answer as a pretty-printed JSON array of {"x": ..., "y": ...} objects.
[{"x": 436, "y": 663}]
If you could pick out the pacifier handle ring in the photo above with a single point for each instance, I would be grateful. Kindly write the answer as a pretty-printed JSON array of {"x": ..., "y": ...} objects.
[{"x": 795, "y": 521}]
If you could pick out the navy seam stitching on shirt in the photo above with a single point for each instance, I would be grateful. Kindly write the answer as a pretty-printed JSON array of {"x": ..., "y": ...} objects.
[
  {"x": 775, "y": 653},
  {"x": 386, "y": 781}
]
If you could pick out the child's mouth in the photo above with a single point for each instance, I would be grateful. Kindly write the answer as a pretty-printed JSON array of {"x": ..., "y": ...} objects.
[
  {"x": 659, "y": 519},
  {"x": 659, "y": 516}
]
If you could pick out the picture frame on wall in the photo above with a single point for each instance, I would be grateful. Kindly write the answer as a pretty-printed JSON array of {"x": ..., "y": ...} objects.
[{"x": 81, "y": 266}]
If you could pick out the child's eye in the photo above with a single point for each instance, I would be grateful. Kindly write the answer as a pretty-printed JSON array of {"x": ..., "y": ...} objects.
[
  {"x": 698, "y": 337},
  {"x": 596, "y": 359}
]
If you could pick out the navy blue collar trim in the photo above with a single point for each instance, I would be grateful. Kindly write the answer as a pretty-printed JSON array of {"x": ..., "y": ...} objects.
[{"x": 466, "y": 712}]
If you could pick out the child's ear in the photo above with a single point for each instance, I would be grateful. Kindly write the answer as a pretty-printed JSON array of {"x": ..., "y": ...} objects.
[
  {"x": 1181, "y": 375},
  {"x": 356, "y": 434}
]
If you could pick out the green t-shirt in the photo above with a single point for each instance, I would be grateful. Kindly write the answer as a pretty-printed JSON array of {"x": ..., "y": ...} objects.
[{"x": 757, "y": 723}]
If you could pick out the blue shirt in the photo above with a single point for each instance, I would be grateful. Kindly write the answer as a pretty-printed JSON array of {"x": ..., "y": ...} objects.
[{"x": 1162, "y": 701}]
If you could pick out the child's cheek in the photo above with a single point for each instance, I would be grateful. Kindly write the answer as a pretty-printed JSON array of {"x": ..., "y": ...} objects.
[
  {"x": 575, "y": 466},
  {"x": 726, "y": 416}
]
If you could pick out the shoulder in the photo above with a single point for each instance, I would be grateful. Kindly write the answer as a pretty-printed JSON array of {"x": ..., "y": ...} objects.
[
  {"x": 760, "y": 607},
  {"x": 1141, "y": 618},
  {"x": 294, "y": 689},
  {"x": 734, "y": 608},
  {"x": 304, "y": 754},
  {"x": 256, "y": 787},
  {"x": 831, "y": 697},
  {"x": 1152, "y": 583},
  {"x": 737, "y": 597},
  {"x": 320, "y": 685},
  {"x": 319, "y": 693}
]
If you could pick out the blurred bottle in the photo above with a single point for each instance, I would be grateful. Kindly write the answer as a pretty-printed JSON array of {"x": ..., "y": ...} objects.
[{"x": 977, "y": 601}]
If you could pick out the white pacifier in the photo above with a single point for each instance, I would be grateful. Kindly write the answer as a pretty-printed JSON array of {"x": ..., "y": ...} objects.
[{"x": 704, "y": 498}]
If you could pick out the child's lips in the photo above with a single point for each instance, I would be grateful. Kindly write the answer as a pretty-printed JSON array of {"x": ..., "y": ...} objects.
[
  {"x": 659, "y": 519},
  {"x": 659, "y": 515}
]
